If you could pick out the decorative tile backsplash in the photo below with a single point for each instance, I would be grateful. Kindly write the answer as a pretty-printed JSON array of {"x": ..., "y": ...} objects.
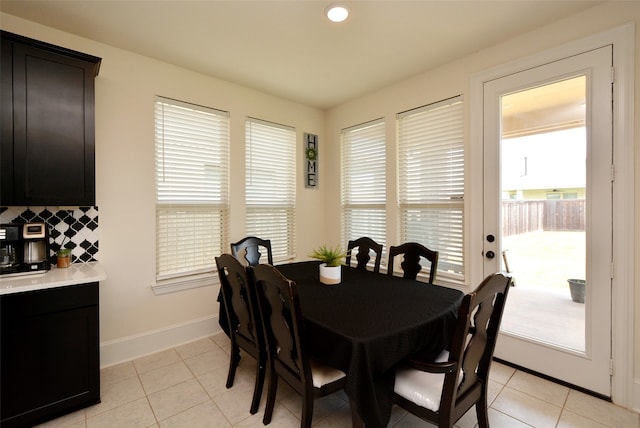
[{"x": 76, "y": 228}]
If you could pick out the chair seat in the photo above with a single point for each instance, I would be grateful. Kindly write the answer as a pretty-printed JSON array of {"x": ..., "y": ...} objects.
[
  {"x": 323, "y": 375},
  {"x": 421, "y": 388},
  {"x": 444, "y": 398}
]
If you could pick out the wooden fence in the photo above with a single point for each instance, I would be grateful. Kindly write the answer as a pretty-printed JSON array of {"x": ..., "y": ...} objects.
[{"x": 542, "y": 215}]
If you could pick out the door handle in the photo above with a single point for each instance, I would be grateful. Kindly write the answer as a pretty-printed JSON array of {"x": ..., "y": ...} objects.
[{"x": 490, "y": 254}]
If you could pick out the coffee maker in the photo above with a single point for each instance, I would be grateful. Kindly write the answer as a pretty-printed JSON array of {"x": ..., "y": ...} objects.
[{"x": 24, "y": 248}]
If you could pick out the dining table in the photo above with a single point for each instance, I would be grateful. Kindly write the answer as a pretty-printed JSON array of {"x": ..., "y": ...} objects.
[{"x": 368, "y": 324}]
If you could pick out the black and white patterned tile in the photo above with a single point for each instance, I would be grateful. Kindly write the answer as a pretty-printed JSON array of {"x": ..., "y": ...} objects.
[{"x": 76, "y": 228}]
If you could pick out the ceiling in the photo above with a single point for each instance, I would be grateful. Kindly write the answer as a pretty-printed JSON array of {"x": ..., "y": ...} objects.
[{"x": 289, "y": 48}]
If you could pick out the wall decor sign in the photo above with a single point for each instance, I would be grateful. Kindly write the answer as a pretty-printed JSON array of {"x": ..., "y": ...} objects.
[{"x": 310, "y": 161}]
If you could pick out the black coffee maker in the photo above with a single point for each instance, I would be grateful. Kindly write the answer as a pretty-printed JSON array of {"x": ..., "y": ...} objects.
[{"x": 24, "y": 248}]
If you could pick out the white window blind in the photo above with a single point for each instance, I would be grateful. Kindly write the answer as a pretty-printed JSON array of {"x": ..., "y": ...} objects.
[
  {"x": 431, "y": 181},
  {"x": 271, "y": 185},
  {"x": 192, "y": 189},
  {"x": 364, "y": 190}
]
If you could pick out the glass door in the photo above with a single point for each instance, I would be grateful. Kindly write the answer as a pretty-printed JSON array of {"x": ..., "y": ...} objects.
[{"x": 548, "y": 156}]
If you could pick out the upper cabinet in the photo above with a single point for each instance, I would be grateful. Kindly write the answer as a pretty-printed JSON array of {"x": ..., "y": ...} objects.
[{"x": 47, "y": 152}]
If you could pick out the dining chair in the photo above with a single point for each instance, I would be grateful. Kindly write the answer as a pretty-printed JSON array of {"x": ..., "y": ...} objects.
[
  {"x": 245, "y": 328},
  {"x": 442, "y": 390},
  {"x": 364, "y": 245},
  {"x": 287, "y": 355},
  {"x": 249, "y": 249},
  {"x": 412, "y": 252}
]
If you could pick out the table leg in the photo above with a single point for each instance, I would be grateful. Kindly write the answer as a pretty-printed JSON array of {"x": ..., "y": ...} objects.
[{"x": 356, "y": 420}]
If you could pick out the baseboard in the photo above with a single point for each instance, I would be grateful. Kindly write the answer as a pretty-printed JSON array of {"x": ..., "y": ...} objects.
[
  {"x": 132, "y": 347},
  {"x": 635, "y": 400}
]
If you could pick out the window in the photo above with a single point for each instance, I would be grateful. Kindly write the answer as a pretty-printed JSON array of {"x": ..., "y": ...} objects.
[
  {"x": 364, "y": 182},
  {"x": 192, "y": 197},
  {"x": 431, "y": 181},
  {"x": 271, "y": 185}
]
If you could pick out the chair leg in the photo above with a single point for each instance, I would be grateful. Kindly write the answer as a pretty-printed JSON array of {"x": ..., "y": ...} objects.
[
  {"x": 257, "y": 389},
  {"x": 271, "y": 397},
  {"x": 233, "y": 364},
  {"x": 307, "y": 410},
  {"x": 482, "y": 413}
]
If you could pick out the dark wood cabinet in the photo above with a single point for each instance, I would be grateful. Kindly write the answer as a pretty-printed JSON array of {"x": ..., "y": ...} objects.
[
  {"x": 49, "y": 353},
  {"x": 47, "y": 154}
]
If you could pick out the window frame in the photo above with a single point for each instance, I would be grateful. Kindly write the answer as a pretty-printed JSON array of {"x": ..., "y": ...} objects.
[
  {"x": 434, "y": 215},
  {"x": 270, "y": 202},
  {"x": 364, "y": 183},
  {"x": 191, "y": 145}
]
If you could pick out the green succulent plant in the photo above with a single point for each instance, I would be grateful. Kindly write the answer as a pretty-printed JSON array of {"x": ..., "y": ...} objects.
[{"x": 332, "y": 256}]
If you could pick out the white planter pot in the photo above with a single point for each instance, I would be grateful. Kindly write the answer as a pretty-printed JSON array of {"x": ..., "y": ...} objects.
[{"x": 330, "y": 275}]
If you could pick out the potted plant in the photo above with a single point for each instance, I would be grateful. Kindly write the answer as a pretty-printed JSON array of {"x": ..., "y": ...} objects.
[
  {"x": 330, "y": 268},
  {"x": 63, "y": 258}
]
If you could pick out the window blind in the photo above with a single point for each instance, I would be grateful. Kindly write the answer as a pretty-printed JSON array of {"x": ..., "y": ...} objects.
[
  {"x": 364, "y": 192},
  {"x": 192, "y": 189},
  {"x": 431, "y": 181},
  {"x": 271, "y": 185}
]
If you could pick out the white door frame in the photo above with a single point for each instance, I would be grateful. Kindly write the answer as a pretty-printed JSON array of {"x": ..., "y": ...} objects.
[{"x": 625, "y": 392}]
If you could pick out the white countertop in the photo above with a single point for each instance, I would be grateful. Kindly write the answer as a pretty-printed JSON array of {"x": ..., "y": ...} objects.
[{"x": 77, "y": 273}]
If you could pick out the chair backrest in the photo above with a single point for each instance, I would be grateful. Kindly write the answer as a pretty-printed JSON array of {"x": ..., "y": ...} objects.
[
  {"x": 474, "y": 340},
  {"x": 364, "y": 245},
  {"x": 249, "y": 249},
  {"x": 413, "y": 251},
  {"x": 240, "y": 301},
  {"x": 279, "y": 306}
]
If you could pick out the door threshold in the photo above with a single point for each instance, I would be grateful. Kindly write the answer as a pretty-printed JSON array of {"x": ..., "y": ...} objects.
[{"x": 554, "y": 380}]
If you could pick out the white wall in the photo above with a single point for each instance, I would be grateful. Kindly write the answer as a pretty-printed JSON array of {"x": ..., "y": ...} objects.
[
  {"x": 454, "y": 79},
  {"x": 134, "y": 321}
]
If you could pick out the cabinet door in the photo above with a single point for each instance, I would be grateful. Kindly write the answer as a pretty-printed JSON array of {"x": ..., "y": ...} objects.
[
  {"x": 49, "y": 353},
  {"x": 53, "y": 129},
  {"x": 6, "y": 124}
]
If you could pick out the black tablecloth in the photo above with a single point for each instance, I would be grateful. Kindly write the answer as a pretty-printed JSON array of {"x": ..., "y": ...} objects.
[{"x": 369, "y": 323}]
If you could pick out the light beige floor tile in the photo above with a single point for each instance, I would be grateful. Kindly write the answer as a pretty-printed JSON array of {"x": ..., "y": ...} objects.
[
  {"x": 196, "y": 347},
  {"x": 132, "y": 415},
  {"x": 215, "y": 381},
  {"x": 220, "y": 338},
  {"x": 539, "y": 388},
  {"x": 493, "y": 389},
  {"x": 500, "y": 373},
  {"x": 397, "y": 413},
  {"x": 117, "y": 373},
  {"x": 571, "y": 420},
  {"x": 281, "y": 418},
  {"x": 213, "y": 359},
  {"x": 322, "y": 407},
  {"x": 500, "y": 420},
  {"x": 154, "y": 361},
  {"x": 236, "y": 402},
  {"x": 339, "y": 418},
  {"x": 116, "y": 394},
  {"x": 527, "y": 408},
  {"x": 601, "y": 411},
  {"x": 223, "y": 341},
  {"x": 165, "y": 376},
  {"x": 468, "y": 420},
  {"x": 192, "y": 393},
  {"x": 203, "y": 415},
  {"x": 72, "y": 420},
  {"x": 176, "y": 399},
  {"x": 412, "y": 421}
]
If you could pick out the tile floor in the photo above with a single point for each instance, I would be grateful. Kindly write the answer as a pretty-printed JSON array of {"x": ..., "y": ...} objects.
[{"x": 185, "y": 387}]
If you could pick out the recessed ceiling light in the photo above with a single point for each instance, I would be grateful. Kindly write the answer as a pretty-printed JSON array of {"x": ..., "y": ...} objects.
[{"x": 337, "y": 12}]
